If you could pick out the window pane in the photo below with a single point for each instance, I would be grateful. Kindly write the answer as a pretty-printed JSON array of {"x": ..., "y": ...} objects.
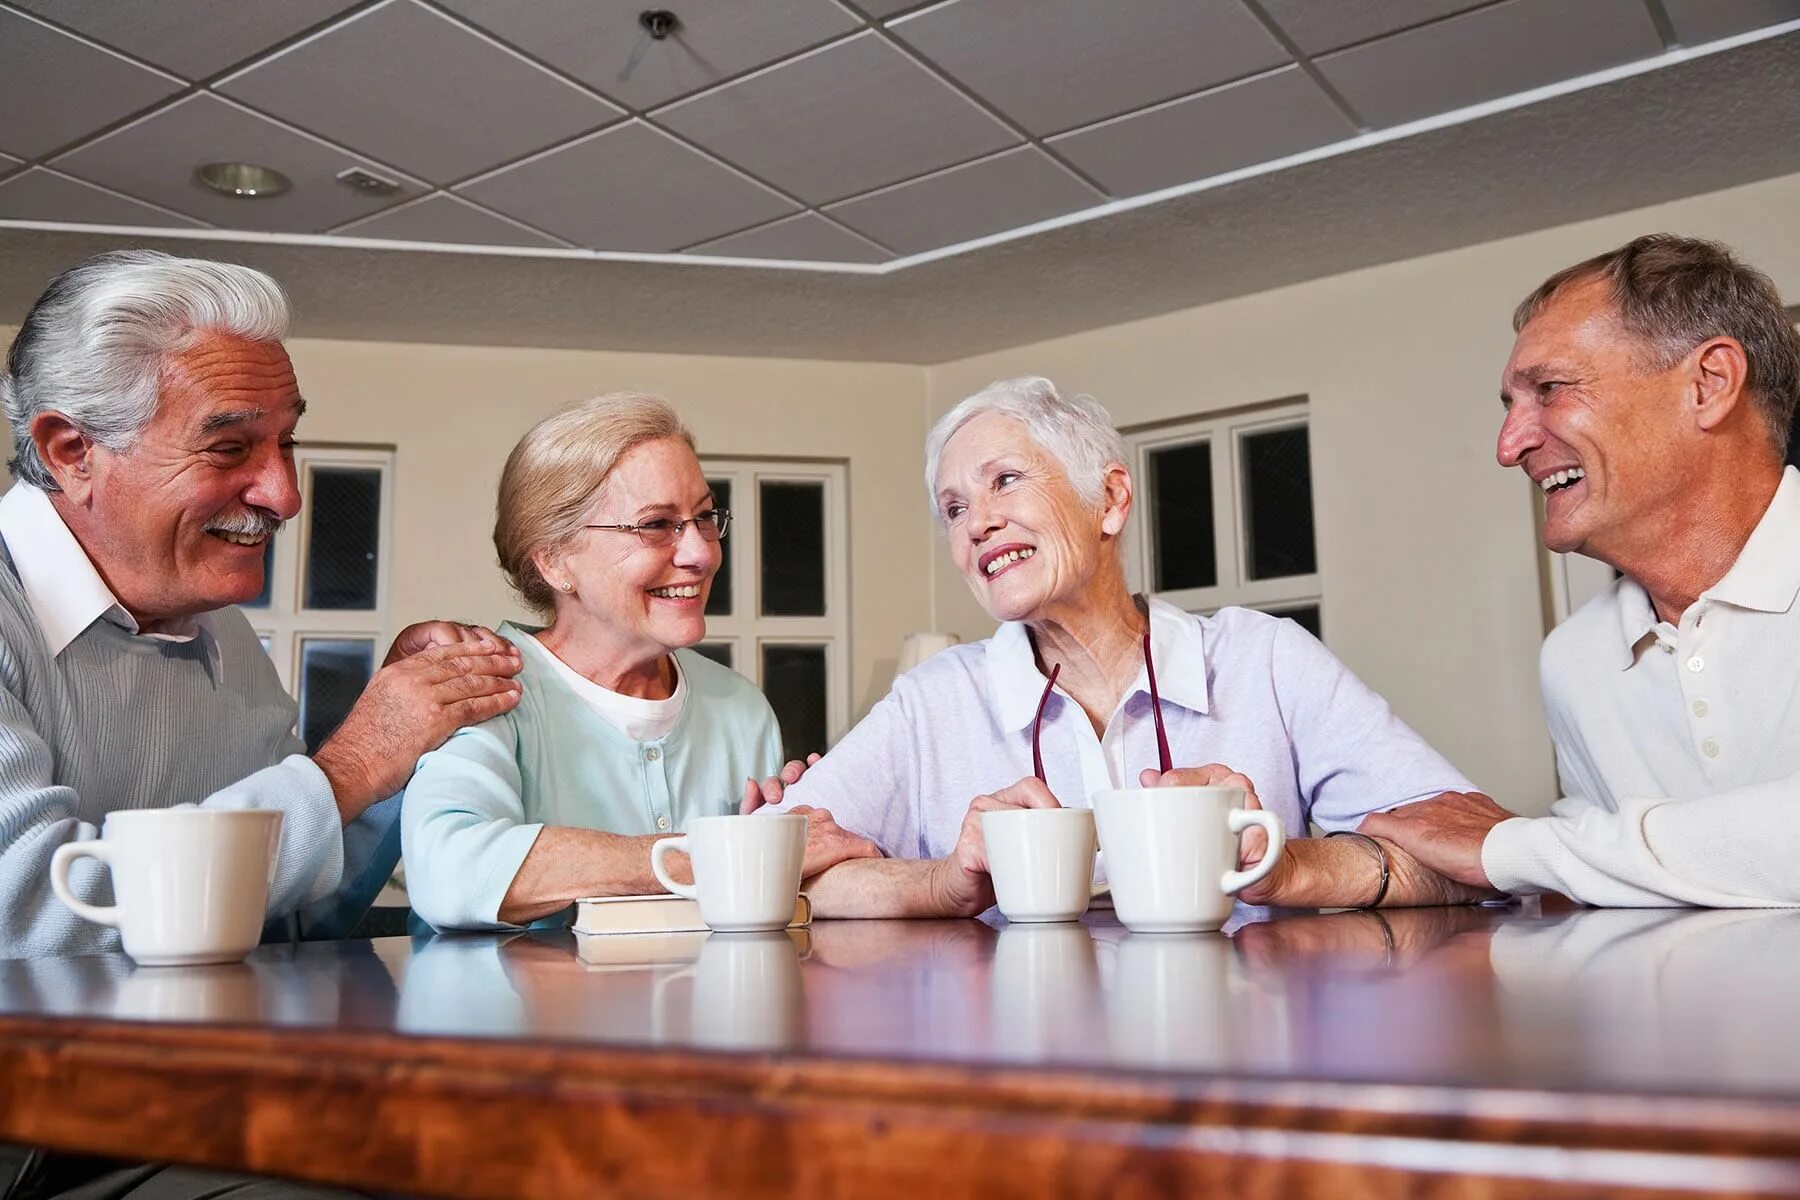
[
  {"x": 332, "y": 675},
  {"x": 1182, "y": 549},
  {"x": 793, "y": 678},
  {"x": 792, "y": 550},
  {"x": 1306, "y": 616},
  {"x": 1278, "y": 515},
  {"x": 262, "y": 598},
  {"x": 718, "y": 601},
  {"x": 719, "y": 652},
  {"x": 343, "y": 538}
]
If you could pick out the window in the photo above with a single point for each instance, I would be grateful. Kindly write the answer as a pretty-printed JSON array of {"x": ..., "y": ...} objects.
[
  {"x": 322, "y": 615},
  {"x": 1225, "y": 514},
  {"x": 778, "y": 612}
]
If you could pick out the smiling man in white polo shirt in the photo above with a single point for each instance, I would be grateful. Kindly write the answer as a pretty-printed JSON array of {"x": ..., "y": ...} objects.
[{"x": 1650, "y": 394}]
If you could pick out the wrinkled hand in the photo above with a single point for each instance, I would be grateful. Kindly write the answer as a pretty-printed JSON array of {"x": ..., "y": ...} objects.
[
  {"x": 828, "y": 843},
  {"x": 770, "y": 790},
  {"x": 410, "y": 707},
  {"x": 962, "y": 886},
  {"x": 1444, "y": 833},
  {"x": 426, "y": 634}
]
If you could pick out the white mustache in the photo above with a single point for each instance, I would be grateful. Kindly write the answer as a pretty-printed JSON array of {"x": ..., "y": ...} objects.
[{"x": 253, "y": 522}]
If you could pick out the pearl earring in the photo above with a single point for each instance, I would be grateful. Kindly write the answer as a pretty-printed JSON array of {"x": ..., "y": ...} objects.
[{"x": 568, "y": 587}]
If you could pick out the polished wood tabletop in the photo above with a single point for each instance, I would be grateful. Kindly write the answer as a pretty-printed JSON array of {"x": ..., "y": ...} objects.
[{"x": 1454, "y": 1052}]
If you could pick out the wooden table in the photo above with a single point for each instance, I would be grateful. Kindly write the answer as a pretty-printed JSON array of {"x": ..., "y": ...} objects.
[{"x": 1441, "y": 1052}]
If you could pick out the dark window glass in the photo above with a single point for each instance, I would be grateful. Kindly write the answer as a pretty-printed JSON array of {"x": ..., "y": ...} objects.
[
  {"x": 793, "y": 678},
  {"x": 718, "y": 601},
  {"x": 332, "y": 675},
  {"x": 262, "y": 597},
  {"x": 1306, "y": 616},
  {"x": 792, "y": 516},
  {"x": 1278, "y": 514},
  {"x": 1181, "y": 518},
  {"x": 343, "y": 538},
  {"x": 719, "y": 652}
]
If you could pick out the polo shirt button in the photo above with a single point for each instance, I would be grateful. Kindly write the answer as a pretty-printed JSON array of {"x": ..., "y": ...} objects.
[
  {"x": 1710, "y": 748},
  {"x": 1699, "y": 708},
  {"x": 662, "y": 824},
  {"x": 652, "y": 754},
  {"x": 1696, "y": 664}
]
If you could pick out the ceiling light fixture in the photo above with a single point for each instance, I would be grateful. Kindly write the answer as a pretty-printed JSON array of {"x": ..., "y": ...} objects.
[
  {"x": 659, "y": 23},
  {"x": 246, "y": 181},
  {"x": 367, "y": 181}
]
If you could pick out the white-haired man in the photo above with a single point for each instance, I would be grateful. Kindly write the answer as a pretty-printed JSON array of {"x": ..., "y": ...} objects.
[
  {"x": 153, "y": 412},
  {"x": 1650, "y": 394}
]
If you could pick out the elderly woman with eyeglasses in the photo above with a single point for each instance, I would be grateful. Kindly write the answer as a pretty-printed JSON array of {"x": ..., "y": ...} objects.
[
  {"x": 1032, "y": 492},
  {"x": 606, "y": 525}
]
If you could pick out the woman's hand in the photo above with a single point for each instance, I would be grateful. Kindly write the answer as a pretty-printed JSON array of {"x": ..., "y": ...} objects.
[
  {"x": 770, "y": 790},
  {"x": 962, "y": 887}
]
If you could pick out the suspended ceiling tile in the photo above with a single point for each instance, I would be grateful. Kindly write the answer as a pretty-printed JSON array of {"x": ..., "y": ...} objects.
[
  {"x": 40, "y": 195},
  {"x": 56, "y": 89},
  {"x": 1018, "y": 187},
  {"x": 410, "y": 86},
  {"x": 881, "y": 10},
  {"x": 1318, "y": 28},
  {"x": 155, "y": 159},
  {"x": 9, "y": 164},
  {"x": 807, "y": 237},
  {"x": 442, "y": 218},
  {"x": 193, "y": 38},
  {"x": 839, "y": 121},
  {"x": 1698, "y": 21},
  {"x": 1492, "y": 52},
  {"x": 1235, "y": 126},
  {"x": 1054, "y": 64},
  {"x": 629, "y": 188},
  {"x": 601, "y": 43}
]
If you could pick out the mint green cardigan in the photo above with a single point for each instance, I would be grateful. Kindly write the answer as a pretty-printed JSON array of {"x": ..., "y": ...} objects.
[{"x": 475, "y": 805}]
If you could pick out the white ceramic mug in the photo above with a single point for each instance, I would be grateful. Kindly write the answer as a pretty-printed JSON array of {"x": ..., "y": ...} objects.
[
  {"x": 746, "y": 869},
  {"x": 1171, "y": 854},
  {"x": 1041, "y": 861},
  {"x": 191, "y": 884}
]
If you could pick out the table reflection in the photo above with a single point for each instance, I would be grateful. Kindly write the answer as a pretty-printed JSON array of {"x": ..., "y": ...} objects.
[{"x": 1638, "y": 1000}]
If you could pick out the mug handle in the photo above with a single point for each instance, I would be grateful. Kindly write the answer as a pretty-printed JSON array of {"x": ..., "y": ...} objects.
[
  {"x": 666, "y": 846},
  {"x": 60, "y": 862},
  {"x": 1240, "y": 819}
]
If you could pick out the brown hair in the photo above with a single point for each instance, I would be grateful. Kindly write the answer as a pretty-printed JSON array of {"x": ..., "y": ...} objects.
[
  {"x": 1673, "y": 293},
  {"x": 554, "y": 474}
]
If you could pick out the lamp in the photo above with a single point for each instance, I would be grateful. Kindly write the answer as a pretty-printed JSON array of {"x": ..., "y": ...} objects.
[{"x": 920, "y": 646}]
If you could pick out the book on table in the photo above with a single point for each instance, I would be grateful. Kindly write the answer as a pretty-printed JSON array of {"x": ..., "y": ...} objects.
[
  {"x": 656, "y": 914},
  {"x": 609, "y": 952}
]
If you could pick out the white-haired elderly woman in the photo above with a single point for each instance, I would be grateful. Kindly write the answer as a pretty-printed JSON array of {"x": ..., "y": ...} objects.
[
  {"x": 1031, "y": 489},
  {"x": 606, "y": 525}
]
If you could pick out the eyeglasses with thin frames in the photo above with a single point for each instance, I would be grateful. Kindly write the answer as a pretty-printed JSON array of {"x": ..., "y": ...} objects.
[
  {"x": 1162, "y": 735},
  {"x": 711, "y": 524}
]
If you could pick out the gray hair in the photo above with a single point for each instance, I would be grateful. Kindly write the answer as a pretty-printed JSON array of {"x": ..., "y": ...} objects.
[
  {"x": 1672, "y": 293},
  {"x": 1076, "y": 429},
  {"x": 94, "y": 345}
]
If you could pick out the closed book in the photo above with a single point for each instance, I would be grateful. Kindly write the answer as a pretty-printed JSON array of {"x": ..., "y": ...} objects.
[
  {"x": 599, "y": 952},
  {"x": 656, "y": 914}
]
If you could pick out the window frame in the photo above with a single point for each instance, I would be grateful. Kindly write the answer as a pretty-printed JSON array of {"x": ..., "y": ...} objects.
[
  {"x": 286, "y": 623},
  {"x": 745, "y": 629},
  {"x": 1224, "y": 434}
]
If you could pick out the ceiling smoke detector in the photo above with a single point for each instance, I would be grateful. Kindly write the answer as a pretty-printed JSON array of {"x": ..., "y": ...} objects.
[
  {"x": 659, "y": 23},
  {"x": 367, "y": 182},
  {"x": 246, "y": 181}
]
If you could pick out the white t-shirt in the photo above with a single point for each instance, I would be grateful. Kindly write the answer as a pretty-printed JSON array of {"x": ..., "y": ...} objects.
[{"x": 638, "y": 719}]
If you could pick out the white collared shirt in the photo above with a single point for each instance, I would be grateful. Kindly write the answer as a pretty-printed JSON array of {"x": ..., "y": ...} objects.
[
  {"x": 62, "y": 586},
  {"x": 1255, "y": 692},
  {"x": 1678, "y": 745}
]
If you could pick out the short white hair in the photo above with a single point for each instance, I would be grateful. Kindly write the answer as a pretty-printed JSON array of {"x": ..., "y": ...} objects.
[
  {"x": 94, "y": 345},
  {"x": 1076, "y": 429}
]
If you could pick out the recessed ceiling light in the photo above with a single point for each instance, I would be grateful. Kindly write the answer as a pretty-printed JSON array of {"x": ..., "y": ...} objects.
[{"x": 245, "y": 180}]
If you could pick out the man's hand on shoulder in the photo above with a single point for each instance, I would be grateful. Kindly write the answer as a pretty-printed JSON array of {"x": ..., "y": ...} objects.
[
  {"x": 411, "y": 705},
  {"x": 1445, "y": 833}
]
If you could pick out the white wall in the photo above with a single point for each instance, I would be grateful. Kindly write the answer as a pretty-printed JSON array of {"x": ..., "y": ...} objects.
[{"x": 1427, "y": 550}]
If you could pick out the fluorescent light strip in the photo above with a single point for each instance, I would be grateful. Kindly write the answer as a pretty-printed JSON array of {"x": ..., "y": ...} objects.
[{"x": 1460, "y": 116}]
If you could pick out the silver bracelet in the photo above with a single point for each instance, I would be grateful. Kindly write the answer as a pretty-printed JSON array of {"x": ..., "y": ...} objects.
[{"x": 1380, "y": 857}]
